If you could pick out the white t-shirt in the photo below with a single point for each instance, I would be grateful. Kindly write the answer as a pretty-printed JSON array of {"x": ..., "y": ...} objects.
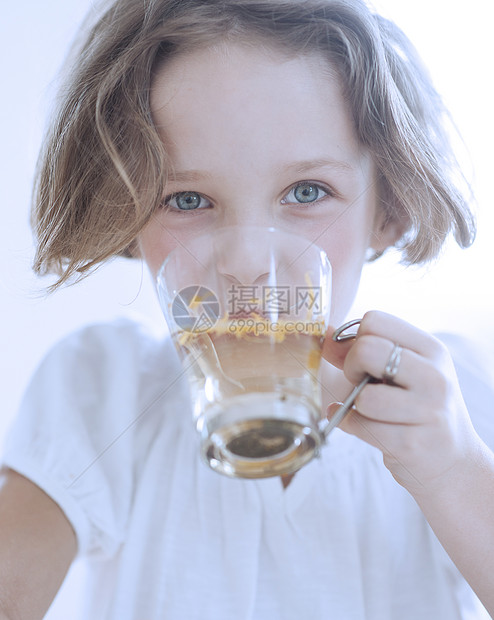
[{"x": 105, "y": 429}]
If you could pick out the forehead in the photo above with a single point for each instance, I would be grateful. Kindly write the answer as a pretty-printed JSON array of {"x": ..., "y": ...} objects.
[{"x": 237, "y": 92}]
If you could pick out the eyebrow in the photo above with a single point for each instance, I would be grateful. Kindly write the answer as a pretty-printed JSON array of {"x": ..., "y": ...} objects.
[
  {"x": 189, "y": 176},
  {"x": 301, "y": 167}
]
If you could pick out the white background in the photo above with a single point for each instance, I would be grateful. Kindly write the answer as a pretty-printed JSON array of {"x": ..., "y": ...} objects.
[{"x": 456, "y": 294}]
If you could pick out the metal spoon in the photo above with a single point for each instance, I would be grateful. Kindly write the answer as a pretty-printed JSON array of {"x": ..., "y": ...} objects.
[{"x": 344, "y": 408}]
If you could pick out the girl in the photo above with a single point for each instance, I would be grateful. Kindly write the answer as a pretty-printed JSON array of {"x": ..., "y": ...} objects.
[{"x": 182, "y": 117}]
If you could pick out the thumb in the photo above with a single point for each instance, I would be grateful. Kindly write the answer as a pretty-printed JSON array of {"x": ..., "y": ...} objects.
[{"x": 332, "y": 410}]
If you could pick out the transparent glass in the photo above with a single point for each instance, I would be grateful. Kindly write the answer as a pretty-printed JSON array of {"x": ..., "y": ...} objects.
[{"x": 248, "y": 310}]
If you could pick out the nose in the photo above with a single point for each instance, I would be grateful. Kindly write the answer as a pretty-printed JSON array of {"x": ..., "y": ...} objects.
[
  {"x": 250, "y": 216},
  {"x": 244, "y": 257}
]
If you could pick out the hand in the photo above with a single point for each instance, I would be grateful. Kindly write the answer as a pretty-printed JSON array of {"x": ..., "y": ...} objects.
[{"x": 419, "y": 421}]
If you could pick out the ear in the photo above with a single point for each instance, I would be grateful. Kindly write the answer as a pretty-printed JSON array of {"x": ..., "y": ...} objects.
[{"x": 388, "y": 229}]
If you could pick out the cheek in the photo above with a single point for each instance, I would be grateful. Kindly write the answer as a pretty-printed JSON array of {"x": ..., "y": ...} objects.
[
  {"x": 155, "y": 243},
  {"x": 346, "y": 278},
  {"x": 346, "y": 253}
]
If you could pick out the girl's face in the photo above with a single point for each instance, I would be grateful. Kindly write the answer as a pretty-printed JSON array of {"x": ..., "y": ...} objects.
[{"x": 257, "y": 138}]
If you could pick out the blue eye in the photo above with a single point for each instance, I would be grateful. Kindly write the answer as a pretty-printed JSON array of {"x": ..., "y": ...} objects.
[
  {"x": 304, "y": 193},
  {"x": 186, "y": 201}
]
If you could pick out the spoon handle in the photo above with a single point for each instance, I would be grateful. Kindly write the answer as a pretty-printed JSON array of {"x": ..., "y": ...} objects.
[{"x": 345, "y": 407}]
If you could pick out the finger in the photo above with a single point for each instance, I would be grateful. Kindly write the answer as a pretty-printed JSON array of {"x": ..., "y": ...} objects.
[
  {"x": 384, "y": 403},
  {"x": 392, "y": 328},
  {"x": 371, "y": 354},
  {"x": 371, "y": 431},
  {"x": 335, "y": 352}
]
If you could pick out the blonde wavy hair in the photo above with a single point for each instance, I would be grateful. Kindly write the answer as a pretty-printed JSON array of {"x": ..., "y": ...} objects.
[{"x": 103, "y": 169}]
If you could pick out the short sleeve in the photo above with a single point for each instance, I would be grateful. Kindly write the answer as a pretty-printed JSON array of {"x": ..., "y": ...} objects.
[
  {"x": 74, "y": 433},
  {"x": 474, "y": 364}
]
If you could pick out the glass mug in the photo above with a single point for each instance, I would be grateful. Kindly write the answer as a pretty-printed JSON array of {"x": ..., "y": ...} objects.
[{"x": 248, "y": 309}]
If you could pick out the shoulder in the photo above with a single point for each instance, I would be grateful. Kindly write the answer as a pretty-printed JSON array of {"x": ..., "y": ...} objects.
[
  {"x": 109, "y": 338},
  {"x": 104, "y": 363},
  {"x": 86, "y": 422},
  {"x": 111, "y": 348}
]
